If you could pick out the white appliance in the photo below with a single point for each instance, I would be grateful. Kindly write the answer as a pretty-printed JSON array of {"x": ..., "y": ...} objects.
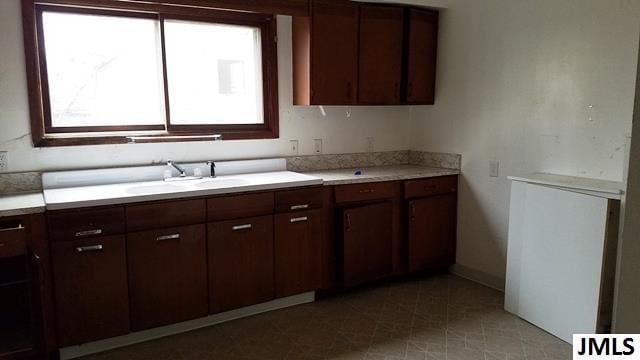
[{"x": 561, "y": 253}]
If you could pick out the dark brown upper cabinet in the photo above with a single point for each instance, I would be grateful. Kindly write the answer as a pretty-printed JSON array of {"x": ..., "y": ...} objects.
[
  {"x": 346, "y": 53},
  {"x": 380, "y": 55},
  {"x": 421, "y": 57},
  {"x": 325, "y": 54}
]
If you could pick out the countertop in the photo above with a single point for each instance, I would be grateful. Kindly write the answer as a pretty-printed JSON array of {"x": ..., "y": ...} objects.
[
  {"x": 596, "y": 187},
  {"x": 126, "y": 193},
  {"x": 379, "y": 173},
  {"x": 112, "y": 194},
  {"x": 21, "y": 204}
]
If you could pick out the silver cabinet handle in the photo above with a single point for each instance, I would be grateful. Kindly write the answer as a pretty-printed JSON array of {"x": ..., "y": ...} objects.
[
  {"x": 168, "y": 237},
  {"x": 89, "y": 248},
  {"x": 18, "y": 227},
  {"x": 298, "y": 207},
  {"x": 89, "y": 233},
  {"x": 242, "y": 227},
  {"x": 299, "y": 219}
]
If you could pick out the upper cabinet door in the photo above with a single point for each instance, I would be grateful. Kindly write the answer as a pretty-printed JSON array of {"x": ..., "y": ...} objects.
[
  {"x": 325, "y": 54},
  {"x": 380, "y": 64},
  {"x": 422, "y": 54},
  {"x": 334, "y": 72}
]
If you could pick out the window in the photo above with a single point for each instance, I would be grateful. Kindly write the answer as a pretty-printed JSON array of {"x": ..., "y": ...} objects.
[{"x": 159, "y": 73}]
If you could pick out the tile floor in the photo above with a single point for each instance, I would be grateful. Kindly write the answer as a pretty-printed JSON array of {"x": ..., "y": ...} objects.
[{"x": 439, "y": 318}]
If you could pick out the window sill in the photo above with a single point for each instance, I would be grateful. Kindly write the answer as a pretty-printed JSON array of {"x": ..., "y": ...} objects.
[{"x": 106, "y": 139}]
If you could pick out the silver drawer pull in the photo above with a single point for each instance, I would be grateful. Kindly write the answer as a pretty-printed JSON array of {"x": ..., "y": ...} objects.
[
  {"x": 89, "y": 248},
  {"x": 18, "y": 227},
  {"x": 298, "y": 207},
  {"x": 168, "y": 237},
  {"x": 242, "y": 227},
  {"x": 89, "y": 233},
  {"x": 299, "y": 219}
]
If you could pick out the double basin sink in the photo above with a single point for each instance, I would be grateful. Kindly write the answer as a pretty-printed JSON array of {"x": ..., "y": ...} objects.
[
  {"x": 183, "y": 185},
  {"x": 175, "y": 188}
]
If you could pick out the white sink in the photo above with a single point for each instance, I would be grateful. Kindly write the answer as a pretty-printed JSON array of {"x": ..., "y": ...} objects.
[
  {"x": 153, "y": 189},
  {"x": 221, "y": 183}
]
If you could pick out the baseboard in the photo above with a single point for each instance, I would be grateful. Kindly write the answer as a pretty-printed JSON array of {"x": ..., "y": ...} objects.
[
  {"x": 151, "y": 334},
  {"x": 478, "y": 276}
]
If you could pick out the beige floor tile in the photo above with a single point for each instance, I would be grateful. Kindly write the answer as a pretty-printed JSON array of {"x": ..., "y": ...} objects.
[{"x": 437, "y": 318}]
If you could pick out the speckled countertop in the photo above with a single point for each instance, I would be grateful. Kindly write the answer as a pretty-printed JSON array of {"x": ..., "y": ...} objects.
[
  {"x": 21, "y": 204},
  {"x": 379, "y": 173}
]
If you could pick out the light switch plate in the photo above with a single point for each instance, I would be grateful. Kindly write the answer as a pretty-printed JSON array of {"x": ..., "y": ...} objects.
[
  {"x": 293, "y": 147},
  {"x": 317, "y": 146},
  {"x": 4, "y": 161},
  {"x": 494, "y": 168}
]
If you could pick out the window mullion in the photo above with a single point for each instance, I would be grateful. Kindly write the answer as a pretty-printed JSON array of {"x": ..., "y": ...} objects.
[{"x": 164, "y": 73}]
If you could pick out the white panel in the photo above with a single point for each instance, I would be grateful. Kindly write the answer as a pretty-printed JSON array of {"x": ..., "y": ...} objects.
[{"x": 554, "y": 261}]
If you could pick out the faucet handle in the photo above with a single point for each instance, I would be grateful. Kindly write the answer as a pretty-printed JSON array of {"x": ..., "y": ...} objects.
[{"x": 212, "y": 167}]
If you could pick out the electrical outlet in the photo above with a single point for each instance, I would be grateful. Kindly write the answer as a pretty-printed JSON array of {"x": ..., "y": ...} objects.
[
  {"x": 494, "y": 168},
  {"x": 293, "y": 147},
  {"x": 4, "y": 161},
  {"x": 317, "y": 146},
  {"x": 370, "y": 144}
]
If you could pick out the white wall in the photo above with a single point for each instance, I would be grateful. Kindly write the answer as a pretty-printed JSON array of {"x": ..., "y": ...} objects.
[
  {"x": 388, "y": 125},
  {"x": 626, "y": 317},
  {"x": 541, "y": 85}
]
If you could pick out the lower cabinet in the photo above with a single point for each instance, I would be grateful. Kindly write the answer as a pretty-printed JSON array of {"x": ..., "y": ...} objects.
[
  {"x": 241, "y": 263},
  {"x": 432, "y": 232},
  {"x": 167, "y": 276},
  {"x": 91, "y": 292},
  {"x": 298, "y": 245},
  {"x": 367, "y": 243}
]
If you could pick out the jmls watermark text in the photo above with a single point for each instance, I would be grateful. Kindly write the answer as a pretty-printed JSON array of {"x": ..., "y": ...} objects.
[{"x": 606, "y": 347}]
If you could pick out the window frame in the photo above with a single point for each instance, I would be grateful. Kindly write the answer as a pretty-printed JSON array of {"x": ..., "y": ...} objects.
[{"x": 44, "y": 134}]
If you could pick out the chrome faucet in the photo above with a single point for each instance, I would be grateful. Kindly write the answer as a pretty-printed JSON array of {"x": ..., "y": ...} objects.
[
  {"x": 182, "y": 172},
  {"x": 212, "y": 166}
]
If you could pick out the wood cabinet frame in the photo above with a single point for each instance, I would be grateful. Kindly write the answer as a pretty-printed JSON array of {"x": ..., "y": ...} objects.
[{"x": 45, "y": 134}]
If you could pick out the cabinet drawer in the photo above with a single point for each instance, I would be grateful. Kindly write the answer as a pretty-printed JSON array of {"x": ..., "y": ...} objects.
[
  {"x": 239, "y": 206},
  {"x": 429, "y": 187},
  {"x": 13, "y": 238},
  {"x": 295, "y": 200},
  {"x": 168, "y": 214},
  {"x": 80, "y": 224},
  {"x": 366, "y": 191}
]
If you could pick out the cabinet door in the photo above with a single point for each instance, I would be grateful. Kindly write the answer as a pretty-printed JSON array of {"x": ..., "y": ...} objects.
[
  {"x": 432, "y": 232},
  {"x": 422, "y": 54},
  {"x": 334, "y": 53},
  {"x": 240, "y": 263},
  {"x": 380, "y": 58},
  {"x": 367, "y": 237},
  {"x": 92, "y": 300},
  {"x": 167, "y": 276},
  {"x": 298, "y": 252}
]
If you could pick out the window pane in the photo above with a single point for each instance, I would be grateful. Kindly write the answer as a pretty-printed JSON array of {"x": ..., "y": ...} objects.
[
  {"x": 214, "y": 73},
  {"x": 103, "y": 70}
]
